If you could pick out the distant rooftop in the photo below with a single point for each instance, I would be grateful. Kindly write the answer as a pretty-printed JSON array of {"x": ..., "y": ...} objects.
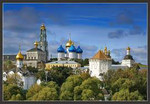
[{"x": 63, "y": 62}]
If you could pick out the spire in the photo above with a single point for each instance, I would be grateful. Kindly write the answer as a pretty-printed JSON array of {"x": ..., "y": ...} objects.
[
  {"x": 105, "y": 50},
  {"x": 69, "y": 36},
  {"x": 19, "y": 48},
  {"x": 128, "y": 50},
  {"x": 19, "y": 55}
]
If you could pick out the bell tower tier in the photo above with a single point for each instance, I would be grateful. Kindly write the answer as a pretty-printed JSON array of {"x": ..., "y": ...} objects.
[{"x": 43, "y": 44}]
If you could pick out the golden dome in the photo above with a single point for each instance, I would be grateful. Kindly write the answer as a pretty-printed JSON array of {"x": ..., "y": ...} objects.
[
  {"x": 36, "y": 44},
  {"x": 128, "y": 48},
  {"x": 69, "y": 43},
  {"x": 43, "y": 27},
  {"x": 19, "y": 56},
  {"x": 105, "y": 50}
]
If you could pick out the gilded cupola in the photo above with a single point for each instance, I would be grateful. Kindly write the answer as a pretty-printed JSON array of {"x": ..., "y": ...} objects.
[
  {"x": 36, "y": 44},
  {"x": 43, "y": 27},
  {"x": 19, "y": 56},
  {"x": 128, "y": 48},
  {"x": 69, "y": 43}
]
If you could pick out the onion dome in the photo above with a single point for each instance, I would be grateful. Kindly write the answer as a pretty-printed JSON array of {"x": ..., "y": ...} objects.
[
  {"x": 65, "y": 51},
  {"x": 128, "y": 48},
  {"x": 43, "y": 27},
  {"x": 36, "y": 44},
  {"x": 19, "y": 56},
  {"x": 69, "y": 43},
  {"x": 128, "y": 57},
  {"x": 60, "y": 49},
  {"x": 72, "y": 48},
  {"x": 79, "y": 50}
]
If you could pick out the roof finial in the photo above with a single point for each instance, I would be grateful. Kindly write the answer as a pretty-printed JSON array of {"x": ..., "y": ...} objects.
[
  {"x": 19, "y": 48},
  {"x": 69, "y": 36}
]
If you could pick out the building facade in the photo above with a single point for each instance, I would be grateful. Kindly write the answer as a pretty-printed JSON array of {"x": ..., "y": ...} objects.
[
  {"x": 71, "y": 64},
  {"x": 34, "y": 56},
  {"x": 99, "y": 64}
]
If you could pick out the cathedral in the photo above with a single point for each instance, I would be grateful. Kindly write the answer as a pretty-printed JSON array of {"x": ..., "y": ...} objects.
[
  {"x": 66, "y": 56},
  {"x": 70, "y": 52},
  {"x": 38, "y": 54}
]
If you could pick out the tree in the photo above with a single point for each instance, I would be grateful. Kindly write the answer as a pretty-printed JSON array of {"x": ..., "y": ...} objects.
[
  {"x": 14, "y": 79},
  {"x": 68, "y": 86},
  {"x": 59, "y": 74},
  {"x": 66, "y": 95},
  {"x": 40, "y": 75},
  {"x": 46, "y": 94},
  {"x": 34, "y": 89},
  {"x": 87, "y": 94},
  {"x": 53, "y": 84},
  {"x": 13, "y": 92},
  {"x": 130, "y": 80},
  {"x": 92, "y": 84},
  {"x": 16, "y": 97},
  {"x": 124, "y": 94},
  {"x": 7, "y": 65},
  {"x": 77, "y": 93}
]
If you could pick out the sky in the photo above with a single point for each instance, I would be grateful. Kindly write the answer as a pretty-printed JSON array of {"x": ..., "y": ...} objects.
[{"x": 92, "y": 26}]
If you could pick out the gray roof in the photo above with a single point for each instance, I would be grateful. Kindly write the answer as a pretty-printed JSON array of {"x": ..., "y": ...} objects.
[
  {"x": 34, "y": 49},
  {"x": 128, "y": 57},
  {"x": 63, "y": 62},
  {"x": 118, "y": 66}
]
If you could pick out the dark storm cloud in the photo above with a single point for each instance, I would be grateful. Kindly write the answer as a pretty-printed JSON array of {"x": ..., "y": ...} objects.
[
  {"x": 127, "y": 19},
  {"x": 24, "y": 20},
  {"x": 117, "y": 34},
  {"x": 136, "y": 30},
  {"x": 123, "y": 18}
]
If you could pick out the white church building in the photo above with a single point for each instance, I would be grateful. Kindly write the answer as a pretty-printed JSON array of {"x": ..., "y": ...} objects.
[{"x": 101, "y": 62}]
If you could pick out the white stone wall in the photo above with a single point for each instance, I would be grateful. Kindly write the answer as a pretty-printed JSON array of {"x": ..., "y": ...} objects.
[
  {"x": 61, "y": 55},
  {"x": 97, "y": 66},
  {"x": 127, "y": 62},
  {"x": 38, "y": 55},
  {"x": 28, "y": 81},
  {"x": 72, "y": 55},
  {"x": 19, "y": 63},
  {"x": 79, "y": 55},
  {"x": 32, "y": 63}
]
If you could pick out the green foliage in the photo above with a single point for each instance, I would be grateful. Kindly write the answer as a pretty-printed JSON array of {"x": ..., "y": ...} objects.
[
  {"x": 16, "y": 97},
  {"x": 46, "y": 93},
  {"x": 59, "y": 74},
  {"x": 14, "y": 79},
  {"x": 32, "y": 69},
  {"x": 87, "y": 94},
  {"x": 8, "y": 65},
  {"x": 40, "y": 75},
  {"x": 66, "y": 95},
  {"x": 76, "y": 84},
  {"x": 77, "y": 93},
  {"x": 82, "y": 62},
  {"x": 124, "y": 94},
  {"x": 13, "y": 92},
  {"x": 34, "y": 89},
  {"x": 128, "y": 81}
]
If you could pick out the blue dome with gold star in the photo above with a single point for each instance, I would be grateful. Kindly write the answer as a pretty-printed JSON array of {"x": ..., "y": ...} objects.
[
  {"x": 79, "y": 50},
  {"x": 60, "y": 49},
  {"x": 72, "y": 48}
]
